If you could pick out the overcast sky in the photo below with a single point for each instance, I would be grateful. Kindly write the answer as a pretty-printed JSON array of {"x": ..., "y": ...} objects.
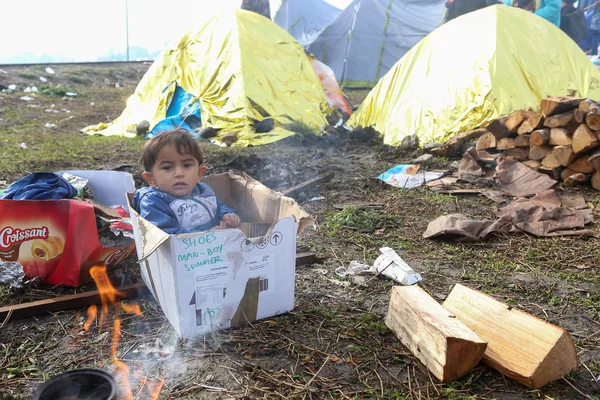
[{"x": 86, "y": 29}]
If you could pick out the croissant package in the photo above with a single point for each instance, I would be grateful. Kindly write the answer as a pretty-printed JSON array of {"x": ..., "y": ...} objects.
[{"x": 59, "y": 239}]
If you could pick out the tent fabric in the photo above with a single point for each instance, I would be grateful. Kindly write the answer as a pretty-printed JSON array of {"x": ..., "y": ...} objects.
[
  {"x": 241, "y": 67},
  {"x": 370, "y": 36},
  {"x": 456, "y": 81},
  {"x": 305, "y": 19}
]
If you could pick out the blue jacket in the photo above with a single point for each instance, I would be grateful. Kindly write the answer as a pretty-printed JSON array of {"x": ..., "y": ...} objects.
[
  {"x": 548, "y": 9},
  {"x": 175, "y": 215}
]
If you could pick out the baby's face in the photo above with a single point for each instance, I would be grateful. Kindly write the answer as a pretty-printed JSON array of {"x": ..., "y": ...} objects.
[{"x": 175, "y": 173}]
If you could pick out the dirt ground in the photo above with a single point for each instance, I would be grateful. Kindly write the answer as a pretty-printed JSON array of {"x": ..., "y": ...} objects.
[{"x": 335, "y": 343}]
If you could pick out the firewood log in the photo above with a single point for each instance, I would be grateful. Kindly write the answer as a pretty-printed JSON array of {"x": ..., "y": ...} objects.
[
  {"x": 536, "y": 121},
  {"x": 540, "y": 137},
  {"x": 566, "y": 173},
  {"x": 559, "y": 120},
  {"x": 576, "y": 178},
  {"x": 579, "y": 115},
  {"x": 553, "y": 173},
  {"x": 518, "y": 153},
  {"x": 486, "y": 141},
  {"x": 505, "y": 144},
  {"x": 556, "y": 105},
  {"x": 515, "y": 120},
  {"x": 584, "y": 139},
  {"x": 550, "y": 161},
  {"x": 594, "y": 160},
  {"x": 564, "y": 155},
  {"x": 539, "y": 152},
  {"x": 585, "y": 104},
  {"x": 498, "y": 128},
  {"x": 520, "y": 346},
  {"x": 522, "y": 141},
  {"x": 593, "y": 121},
  {"x": 525, "y": 128},
  {"x": 534, "y": 165},
  {"x": 595, "y": 181},
  {"x": 559, "y": 137},
  {"x": 582, "y": 165}
]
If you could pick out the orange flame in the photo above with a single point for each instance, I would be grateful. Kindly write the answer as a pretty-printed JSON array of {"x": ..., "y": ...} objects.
[
  {"x": 91, "y": 312},
  {"x": 108, "y": 296}
]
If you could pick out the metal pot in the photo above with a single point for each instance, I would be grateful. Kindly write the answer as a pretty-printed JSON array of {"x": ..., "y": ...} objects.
[{"x": 78, "y": 384}]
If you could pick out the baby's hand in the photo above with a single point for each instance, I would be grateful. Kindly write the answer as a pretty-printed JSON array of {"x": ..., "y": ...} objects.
[{"x": 232, "y": 220}]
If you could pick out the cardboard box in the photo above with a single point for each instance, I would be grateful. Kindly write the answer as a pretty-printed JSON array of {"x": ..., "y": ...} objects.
[
  {"x": 225, "y": 277},
  {"x": 58, "y": 239}
]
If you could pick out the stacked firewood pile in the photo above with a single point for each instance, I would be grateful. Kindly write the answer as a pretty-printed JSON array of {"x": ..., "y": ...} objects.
[{"x": 562, "y": 142}]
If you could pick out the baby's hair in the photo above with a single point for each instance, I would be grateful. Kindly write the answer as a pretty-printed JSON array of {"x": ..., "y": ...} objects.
[{"x": 183, "y": 141}]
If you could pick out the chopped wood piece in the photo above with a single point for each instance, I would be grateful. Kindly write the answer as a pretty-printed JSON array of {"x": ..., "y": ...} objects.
[
  {"x": 572, "y": 126},
  {"x": 593, "y": 121},
  {"x": 564, "y": 155},
  {"x": 553, "y": 173},
  {"x": 443, "y": 343},
  {"x": 522, "y": 141},
  {"x": 486, "y": 141},
  {"x": 559, "y": 120},
  {"x": 505, "y": 144},
  {"x": 534, "y": 165},
  {"x": 498, "y": 128},
  {"x": 558, "y": 104},
  {"x": 584, "y": 139},
  {"x": 538, "y": 152},
  {"x": 594, "y": 108},
  {"x": 594, "y": 160},
  {"x": 540, "y": 137},
  {"x": 582, "y": 165},
  {"x": 68, "y": 302},
  {"x": 525, "y": 128},
  {"x": 585, "y": 104},
  {"x": 525, "y": 348},
  {"x": 559, "y": 137},
  {"x": 518, "y": 153},
  {"x": 308, "y": 259},
  {"x": 455, "y": 145},
  {"x": 309, "y": 184},
  {"x": 515, "y": 120},
  {"x": 579, "y": 115},
  {"x": 566, "y": 173},
  {"x": 550, "y": 161},
  {"x": 536, "y": 121},
  {"x": 576, "y": 178},
  {"x": 595, "y": 181}
]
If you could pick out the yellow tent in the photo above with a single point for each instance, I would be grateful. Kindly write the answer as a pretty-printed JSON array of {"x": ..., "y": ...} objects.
[
  {"x": 472, "y": 70},
  {"x": 242, "y": 67}
]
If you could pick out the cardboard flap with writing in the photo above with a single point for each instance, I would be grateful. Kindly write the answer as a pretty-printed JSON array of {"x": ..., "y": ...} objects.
[{"x": 152, "y": 236}]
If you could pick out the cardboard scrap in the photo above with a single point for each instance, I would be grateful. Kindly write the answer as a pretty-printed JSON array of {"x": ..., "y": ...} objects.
[
  {"x": 546, "y": 214},
  {"x": 519, "y": 180}
]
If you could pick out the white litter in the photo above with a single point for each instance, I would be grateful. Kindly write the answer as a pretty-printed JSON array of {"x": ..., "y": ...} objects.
[
  {"x": 12, "y": 87},
  {"x": 70, "y": 94},
  {"x": 26, "y": 98},
  {"x": 43, "y": 80},
  {"x": 389, "y": 264},
  {"x": 49, "y": 125},
  {"x": 23, "y": 145},
  {"x": 49, "y": 71}
]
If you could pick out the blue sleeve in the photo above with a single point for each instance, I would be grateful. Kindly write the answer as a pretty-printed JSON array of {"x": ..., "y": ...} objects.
[
  {"x": 223, "y": 209},
  {"x": 158, "y": 212},
  {"x": 550, "y": 10}
]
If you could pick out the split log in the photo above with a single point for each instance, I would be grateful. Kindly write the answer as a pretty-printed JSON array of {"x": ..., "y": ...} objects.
[
  {"x": 559, "y": 120},
  {"x": 505, "y": 144},
  {"x": 594, "y": 160},
  {"x": 534, "y": 165},
  {"x": 539, "y": 152},
  {"x": 309, "y": 184},
  {"x": 582, "y": 165},
  {"x": 585, "y": 104},
  {"x": 525, "y": 128},
  {"x": 584, "y": 139},
  {"x": 595, "y": 181},
  {"x": 579, "y": 115},
  {"x": 540, "y": 137},
  {"x": 515, "y": 120},
  {"x": 564, "y": 155},
  {"x": 456, "y": 144},
  {"x": 522, "y": 141},
  {"x": 559, "y": 104},
  {"x": 536, "y": 121},
  {"x": 593, "y": 121},
  {"x": 518, "y": 153},
  {"x": 594, "y": 108},
  {"x": 576, "y": 178},
  {"x": 559, "y": 137},
  {"x": 498, "y": 128},
  {"x": 439, "y": 340},
  {"x": 486, "y": 141},
  {"x": 572, "y": 126},
  {"x": 553, "y": 173},
  {"x": 550, "y": 161},
  {"x": 521, "y": 346},
  {"x": 566, "y": 173}
]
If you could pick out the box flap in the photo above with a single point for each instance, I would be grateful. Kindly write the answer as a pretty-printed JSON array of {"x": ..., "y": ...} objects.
[{"x": 151, "y": 236}]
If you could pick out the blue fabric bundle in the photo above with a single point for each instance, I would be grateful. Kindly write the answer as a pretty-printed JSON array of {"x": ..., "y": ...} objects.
[{"x": 40, "y": 186}]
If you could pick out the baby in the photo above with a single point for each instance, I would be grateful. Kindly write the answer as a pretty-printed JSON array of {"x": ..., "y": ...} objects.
[{"x": 176, "y": 201}]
